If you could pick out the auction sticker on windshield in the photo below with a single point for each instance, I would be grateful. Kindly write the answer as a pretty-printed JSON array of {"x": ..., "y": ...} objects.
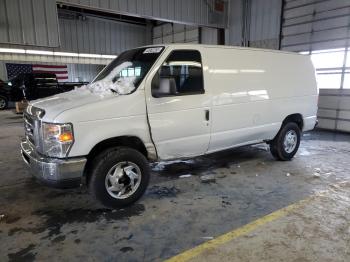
[{"x": 152, "y": 50}]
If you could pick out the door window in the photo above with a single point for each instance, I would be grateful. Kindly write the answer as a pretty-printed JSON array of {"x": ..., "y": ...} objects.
[{"x": 180, "y": 74}]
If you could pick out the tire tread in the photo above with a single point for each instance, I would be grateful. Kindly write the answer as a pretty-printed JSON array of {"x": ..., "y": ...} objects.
[
  {"x": 276, "y": 145},
  {"x": 98, "y": 164}
]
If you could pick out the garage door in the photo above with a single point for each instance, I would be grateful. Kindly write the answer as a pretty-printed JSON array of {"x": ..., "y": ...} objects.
[
  {"x": 315, "y": 24},
  {"x": 175, "y": 33},
  {"x": 320, "y": 28}
]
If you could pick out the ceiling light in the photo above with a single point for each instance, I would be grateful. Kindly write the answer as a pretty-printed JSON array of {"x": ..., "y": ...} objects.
[
  {"x": 90, "y": 55},
  {"x": 39, "y": 52},
  {"x": 12, "y": 50},
  {"x": 65, "y": 54},
  {"x": 109, "y": 56}
]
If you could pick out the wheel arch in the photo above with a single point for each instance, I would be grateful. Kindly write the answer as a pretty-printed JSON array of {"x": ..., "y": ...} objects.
[
  {"x": 126, "y": 141},
  {"x": 295, "y": 118}
]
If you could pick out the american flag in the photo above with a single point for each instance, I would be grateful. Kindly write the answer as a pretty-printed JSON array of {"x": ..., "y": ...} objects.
[{"x": 61, "y": 71}]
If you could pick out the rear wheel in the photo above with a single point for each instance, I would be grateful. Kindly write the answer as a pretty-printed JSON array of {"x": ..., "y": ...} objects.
[
  {"x": 285, "y": 145},
  {"x": 119, "y": 177},
  {"x": 3, "y": 103}
]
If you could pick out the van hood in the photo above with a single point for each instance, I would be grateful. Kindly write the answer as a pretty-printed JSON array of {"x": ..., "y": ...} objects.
[
  {"x": 94, "y": 92},
  {"x": 55, "y": 105}
]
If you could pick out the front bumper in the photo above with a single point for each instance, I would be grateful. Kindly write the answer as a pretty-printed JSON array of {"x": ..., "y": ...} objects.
[{"x": 61, "y": 173}]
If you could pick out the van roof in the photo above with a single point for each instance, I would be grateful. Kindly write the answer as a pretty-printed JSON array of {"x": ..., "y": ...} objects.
[{"x": 228, "y": 47}]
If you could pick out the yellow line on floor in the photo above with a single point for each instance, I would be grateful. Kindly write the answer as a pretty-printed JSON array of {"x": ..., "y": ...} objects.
[{"x": 191, "y": 253}]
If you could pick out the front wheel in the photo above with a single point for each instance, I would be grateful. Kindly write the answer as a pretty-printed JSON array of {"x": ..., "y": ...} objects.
[
  {"x": 3, "y": 103},
  {"x": 286, "y": 143},
  {"x": 119, "y": 177}
]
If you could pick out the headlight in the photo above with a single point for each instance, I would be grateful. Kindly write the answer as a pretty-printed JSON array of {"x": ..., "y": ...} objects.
[{"x": 57, "y": 139}]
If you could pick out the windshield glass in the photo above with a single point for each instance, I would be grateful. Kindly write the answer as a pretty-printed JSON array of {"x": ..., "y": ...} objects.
[{"x": 125, "y": 73}]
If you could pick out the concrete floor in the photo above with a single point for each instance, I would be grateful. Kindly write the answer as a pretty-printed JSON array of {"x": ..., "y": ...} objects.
[
  {"x": 317, "y": 230},
  {"x": 176, "y": 213}
]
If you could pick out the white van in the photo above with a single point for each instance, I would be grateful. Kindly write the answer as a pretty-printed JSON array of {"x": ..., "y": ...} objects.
[{"x": 165, "y": 102}]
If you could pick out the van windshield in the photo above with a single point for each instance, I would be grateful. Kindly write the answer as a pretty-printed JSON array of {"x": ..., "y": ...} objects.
[{"x": 125, "y": 73}]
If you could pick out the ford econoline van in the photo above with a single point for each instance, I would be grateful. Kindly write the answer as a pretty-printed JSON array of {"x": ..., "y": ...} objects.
[{"x": 167, "y": 102}]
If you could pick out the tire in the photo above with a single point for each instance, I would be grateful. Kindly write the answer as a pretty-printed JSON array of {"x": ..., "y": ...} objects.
[
  {"x": 3, "y": 102},
  {"x": 283, "y": 149},
  {"x": 116, "y": 163}
]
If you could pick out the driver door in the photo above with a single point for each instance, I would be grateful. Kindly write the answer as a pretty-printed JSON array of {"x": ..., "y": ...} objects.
[{"x": 178, "y": 106}]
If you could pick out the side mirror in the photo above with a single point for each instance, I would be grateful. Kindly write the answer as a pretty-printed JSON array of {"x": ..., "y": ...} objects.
[{"x": 163, "y": 86}]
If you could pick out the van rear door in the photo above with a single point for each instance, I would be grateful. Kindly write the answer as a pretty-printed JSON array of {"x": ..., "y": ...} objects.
[{"x": 178, "y": 106}]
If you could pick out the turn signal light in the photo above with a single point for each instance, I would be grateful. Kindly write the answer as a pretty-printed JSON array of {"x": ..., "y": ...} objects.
[{"x": 66, "y": 137}]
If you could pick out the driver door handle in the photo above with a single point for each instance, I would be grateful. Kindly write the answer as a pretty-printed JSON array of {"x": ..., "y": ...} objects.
[{"x": 207, "y": 114}]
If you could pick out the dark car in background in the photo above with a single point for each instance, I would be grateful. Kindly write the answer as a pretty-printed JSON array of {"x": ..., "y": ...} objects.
[
  {"x": 5, "y": 94},
  {"x": 31, "y": 86}
]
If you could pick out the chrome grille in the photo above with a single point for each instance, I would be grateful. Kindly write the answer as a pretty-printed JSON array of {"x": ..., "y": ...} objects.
[{"x": 29, "y": 128}]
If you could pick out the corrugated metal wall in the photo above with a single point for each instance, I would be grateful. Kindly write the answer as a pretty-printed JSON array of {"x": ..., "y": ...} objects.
[
  {"x": 91, "y": 35},
  {"x": 29, "y": 22},
  {"x": 3, "y": 74},
  {"x": 314, "y": 25},
  {"x": 254, "y": 23},
  {"x": 83, "y": 73},
  {"x": 100, "y": 36},
  {"x": 175, "y": 33},
  {"x": 209, "y": 36},
  {"x": 36, "y": 23},
  {"x": 199, "y": 12},
  {"x": 265, "y": 20},
  {"x": 233, "y": 33}
]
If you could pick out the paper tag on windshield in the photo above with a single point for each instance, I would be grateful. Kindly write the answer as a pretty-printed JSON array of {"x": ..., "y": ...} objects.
[{"x": 153, "y": 50}]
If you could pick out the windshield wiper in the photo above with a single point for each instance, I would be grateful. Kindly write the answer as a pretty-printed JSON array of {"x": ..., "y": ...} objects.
[{"x": 114, "y": 91}]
